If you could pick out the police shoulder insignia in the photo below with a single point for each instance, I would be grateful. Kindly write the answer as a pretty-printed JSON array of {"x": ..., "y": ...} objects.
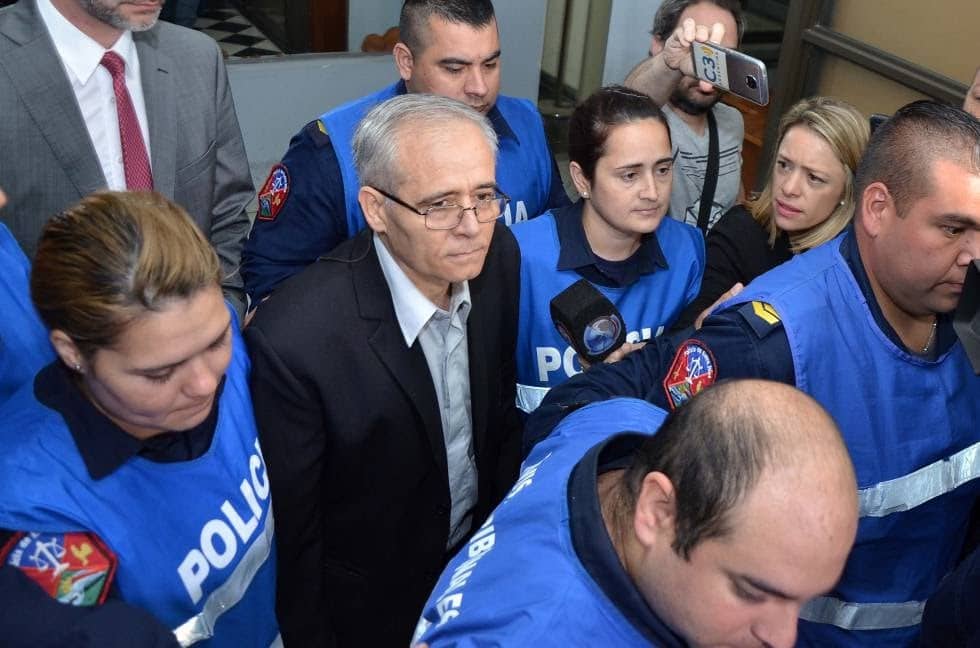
[
  {"x": 273, "y": 194},
  {"x": 74, "y": 568},
  {"x": 692, "y": 370},
  {"x": 761, "y": 317},
  {"x": 317, "y": 131}
]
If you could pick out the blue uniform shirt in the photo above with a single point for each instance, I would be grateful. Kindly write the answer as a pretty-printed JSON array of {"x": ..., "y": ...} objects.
[
  {"x": 306, "y": 202},
  {"x": 542, "y": 570}
]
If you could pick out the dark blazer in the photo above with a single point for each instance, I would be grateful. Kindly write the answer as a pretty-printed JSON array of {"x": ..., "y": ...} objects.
[
  {"x": 48, "y": 161},
  {"x": 352, "y": 437}
]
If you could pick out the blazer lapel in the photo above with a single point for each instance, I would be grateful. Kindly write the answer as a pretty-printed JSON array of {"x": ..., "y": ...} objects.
[
  {"x": 476, "y": 334},
  {"x": 407, "y": 366},
  {"x": 161, "y": 110},
  {"x": 40, "y": 80}
]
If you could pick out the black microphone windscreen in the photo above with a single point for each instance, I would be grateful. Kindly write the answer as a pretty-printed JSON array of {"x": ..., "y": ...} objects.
[{"x": 588, "y": 321}]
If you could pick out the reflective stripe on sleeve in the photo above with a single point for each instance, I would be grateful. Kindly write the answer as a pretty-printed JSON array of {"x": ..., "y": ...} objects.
[
  {"x": 862, "y": 616},
  {"x": 201, "y": 626},
  {"x": 529, "y": 397},
  {"x": 916, "y": 488}
]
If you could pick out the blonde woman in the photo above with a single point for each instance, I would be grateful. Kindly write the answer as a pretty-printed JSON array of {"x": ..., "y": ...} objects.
[{"x": 808, "y": 199}]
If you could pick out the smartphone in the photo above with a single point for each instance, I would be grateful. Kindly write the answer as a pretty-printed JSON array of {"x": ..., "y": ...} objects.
[{"x": 731, "y": 71}]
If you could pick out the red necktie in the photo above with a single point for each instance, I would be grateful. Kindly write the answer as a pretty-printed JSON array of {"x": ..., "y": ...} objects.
[{"x": 135, "y": 160}]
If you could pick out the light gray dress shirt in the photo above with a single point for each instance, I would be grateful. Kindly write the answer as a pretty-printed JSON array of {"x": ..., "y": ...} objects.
[{"x": 442, "y": 335}]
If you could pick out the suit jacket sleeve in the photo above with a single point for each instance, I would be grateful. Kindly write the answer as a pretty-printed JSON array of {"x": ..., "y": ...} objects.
[
  {"x": 290, "y": 423},
  {"x": 233, "y": 190}
]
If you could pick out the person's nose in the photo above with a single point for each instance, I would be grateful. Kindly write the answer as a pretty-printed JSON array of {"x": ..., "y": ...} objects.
[
  {"x": 791, "y": 184},
  {"x": 778, "y": 629},
  {"x": 476, "y": 82},
  {"x": 201, "y": 379},
  {"x": 970, "y": 249},
  {"x": 650, "y": 190}
]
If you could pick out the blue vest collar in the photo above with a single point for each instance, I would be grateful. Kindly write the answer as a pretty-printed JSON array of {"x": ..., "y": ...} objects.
[
  {"x": 576, "y": 254},
  {"x": 103, "y": 445},
  {"x": 593, "y": 547}
]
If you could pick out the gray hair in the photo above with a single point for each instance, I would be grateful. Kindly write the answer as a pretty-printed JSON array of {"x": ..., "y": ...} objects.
[{"x": 376, "y": 138}]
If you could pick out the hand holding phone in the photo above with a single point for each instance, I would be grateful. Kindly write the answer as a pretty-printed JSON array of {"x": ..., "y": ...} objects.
[{"x": 731, "y": 71}]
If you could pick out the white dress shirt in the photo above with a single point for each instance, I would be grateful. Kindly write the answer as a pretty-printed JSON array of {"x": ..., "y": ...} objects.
[
  {"x": 442, "y": 336},
  {"x": 92, "y": 84}
]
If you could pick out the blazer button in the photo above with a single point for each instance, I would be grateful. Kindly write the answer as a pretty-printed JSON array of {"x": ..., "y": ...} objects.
[{"x": 442, "y": 510}]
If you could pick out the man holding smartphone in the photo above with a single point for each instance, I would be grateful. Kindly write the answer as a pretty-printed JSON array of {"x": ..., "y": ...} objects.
[{"x": 692, "y": 105}]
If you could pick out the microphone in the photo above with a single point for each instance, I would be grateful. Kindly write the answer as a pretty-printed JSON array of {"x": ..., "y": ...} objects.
[
  {"x": 588, "y": 321},
  {"x": 966, "y": 320}
]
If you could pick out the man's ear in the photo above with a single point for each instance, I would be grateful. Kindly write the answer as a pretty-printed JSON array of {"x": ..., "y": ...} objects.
[
  {"x": 582, "y": 184},
  {"x": 67, "y": 350},
  {"x": 877, "y": 206},
  {"x": 656, "y": 46},
  {"x": 404, "y": 61},
  {"x": 372, "y": 204},
  {"x": 656, "y": 510}
]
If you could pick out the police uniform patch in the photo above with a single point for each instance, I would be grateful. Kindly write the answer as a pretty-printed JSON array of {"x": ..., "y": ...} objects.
[
  {"x": 73, "y": 568},
  {"x": 273, "y": 194},
  {"x": 761, "y": 317},
  {"x": 692, "y": 370}
]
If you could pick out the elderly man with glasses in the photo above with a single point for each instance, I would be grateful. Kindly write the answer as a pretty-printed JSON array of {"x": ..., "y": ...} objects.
[{"x": 383, "y": 381}]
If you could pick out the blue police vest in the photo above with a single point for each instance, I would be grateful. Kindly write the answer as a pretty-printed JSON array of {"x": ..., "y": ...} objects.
[
  {"x": 911, "y": 428},
  {"x": 518, "y": 581},
  {"x": 544, "y": 358},
  {"x": 24, "y": 345},
  {"x": 523, "y": 165},
  {"x": 194, "y": 539}
]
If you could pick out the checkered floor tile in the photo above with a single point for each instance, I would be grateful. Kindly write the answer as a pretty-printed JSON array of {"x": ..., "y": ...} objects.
[{"x": 236, "y": 36}]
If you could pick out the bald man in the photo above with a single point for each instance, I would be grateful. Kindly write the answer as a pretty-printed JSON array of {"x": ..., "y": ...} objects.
[{"x": 741, "y": 507}]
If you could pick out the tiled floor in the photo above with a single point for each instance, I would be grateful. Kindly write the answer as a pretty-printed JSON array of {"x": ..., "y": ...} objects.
[{"x": 236, "y": 36}]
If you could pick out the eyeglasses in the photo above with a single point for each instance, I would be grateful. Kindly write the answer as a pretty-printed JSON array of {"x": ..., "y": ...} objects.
[{"x": 488, "y": 204}]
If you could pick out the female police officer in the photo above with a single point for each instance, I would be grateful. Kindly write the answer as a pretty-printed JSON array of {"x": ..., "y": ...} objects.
[
  {"x": 134, "y": 457},
  {"x": 616, "y": 237}
]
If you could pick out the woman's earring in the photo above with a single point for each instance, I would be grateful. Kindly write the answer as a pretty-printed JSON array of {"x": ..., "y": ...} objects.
[{"x": 585, "y": 194}]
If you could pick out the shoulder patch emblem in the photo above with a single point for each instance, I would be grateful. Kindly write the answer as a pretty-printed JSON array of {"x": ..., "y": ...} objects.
[
  {"x": 274, "y": 193},
  {"x": 761, "y": 317},
  {"x": 73, "y": 568},
  {"x": 692, "y": 370}
]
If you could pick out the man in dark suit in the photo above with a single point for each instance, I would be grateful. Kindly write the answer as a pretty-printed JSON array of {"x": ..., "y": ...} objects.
[
  {"x": 383, "y": 381},
  {"x": 62, "y": 134}
]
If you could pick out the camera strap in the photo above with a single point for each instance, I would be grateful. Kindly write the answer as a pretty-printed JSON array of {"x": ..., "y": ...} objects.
[{"x": 710, "y": 175}]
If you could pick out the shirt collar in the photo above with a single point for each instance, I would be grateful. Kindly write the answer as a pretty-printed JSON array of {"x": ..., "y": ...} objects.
[
  {"x": 79, "y": 52},
  {"x": 593, "y": 546},
  {"x": 497, "y": 121},
  {"x": 412, "y": 308},
  {"x": 577, "y": 253},
  {"x": 945, "y": 333},
  {"x": 103, "y": 445}
]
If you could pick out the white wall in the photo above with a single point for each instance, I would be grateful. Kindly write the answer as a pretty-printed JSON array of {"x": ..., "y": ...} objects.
[
  {"x": 629, "y": 37},
  {"x": 370, "y": 17}
]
